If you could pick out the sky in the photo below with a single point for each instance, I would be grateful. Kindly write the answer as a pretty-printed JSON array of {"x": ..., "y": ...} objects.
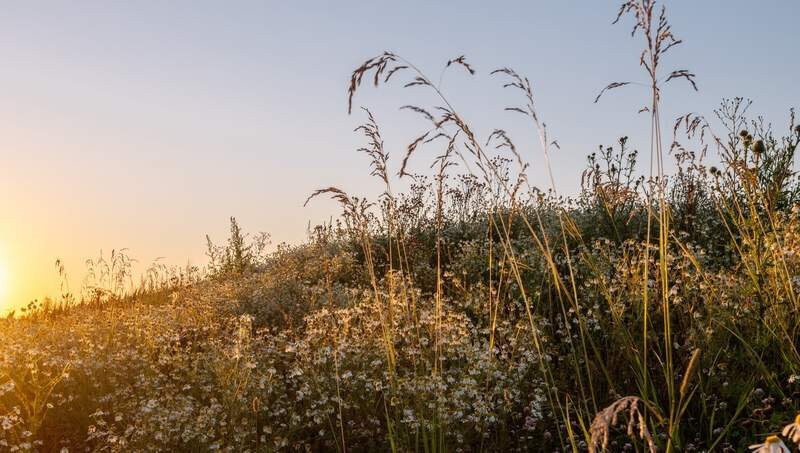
[{"x": 146, "y": 125}]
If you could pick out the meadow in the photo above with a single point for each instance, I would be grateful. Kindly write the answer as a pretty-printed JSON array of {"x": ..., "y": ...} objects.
[{"x": 471, "y": 312}]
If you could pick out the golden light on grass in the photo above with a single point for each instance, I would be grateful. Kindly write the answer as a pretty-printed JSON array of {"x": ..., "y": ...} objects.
[{"x": 476, "y": 312}]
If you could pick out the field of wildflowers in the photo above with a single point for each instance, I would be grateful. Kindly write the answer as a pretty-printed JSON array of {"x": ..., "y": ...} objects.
[{"x": 472, "y": 312}]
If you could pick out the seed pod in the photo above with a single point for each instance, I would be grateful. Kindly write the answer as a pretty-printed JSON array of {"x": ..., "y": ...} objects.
[
  {"x": 689, "y": 370},
  {"x": 759, "y": 147}
]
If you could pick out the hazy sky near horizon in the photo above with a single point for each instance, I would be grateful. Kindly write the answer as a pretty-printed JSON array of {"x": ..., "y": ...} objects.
[{"x": 146, "y": 125}]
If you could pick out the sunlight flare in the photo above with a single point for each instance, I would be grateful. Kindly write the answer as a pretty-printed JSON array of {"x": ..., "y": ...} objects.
[{"x": 3, "y": 284}]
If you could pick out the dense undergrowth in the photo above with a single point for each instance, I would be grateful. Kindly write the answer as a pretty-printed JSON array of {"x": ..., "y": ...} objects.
[{"x": 473, "y": 312}]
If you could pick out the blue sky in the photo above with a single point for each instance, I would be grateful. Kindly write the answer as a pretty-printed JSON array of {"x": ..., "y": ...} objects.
[{"x": 147, "y": 124}]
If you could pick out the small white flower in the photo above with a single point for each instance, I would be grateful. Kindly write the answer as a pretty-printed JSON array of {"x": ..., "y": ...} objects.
[
  {"x": 772, "y": 444},
  {"x": 792, "y": 430}
]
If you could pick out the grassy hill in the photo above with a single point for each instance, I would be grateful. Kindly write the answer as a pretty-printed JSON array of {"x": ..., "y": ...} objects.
[{"x": 473, "y": 312}]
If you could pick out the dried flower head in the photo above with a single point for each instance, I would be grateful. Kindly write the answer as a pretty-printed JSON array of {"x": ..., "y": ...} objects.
[{"x": 608, "y": 417}]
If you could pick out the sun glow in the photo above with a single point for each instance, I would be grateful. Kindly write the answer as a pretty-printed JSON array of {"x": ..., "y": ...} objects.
[{"x": 3, "y": 284}]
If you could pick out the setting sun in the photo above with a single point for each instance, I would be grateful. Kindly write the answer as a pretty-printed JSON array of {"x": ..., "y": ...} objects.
[{"x": 3, "y": 284}]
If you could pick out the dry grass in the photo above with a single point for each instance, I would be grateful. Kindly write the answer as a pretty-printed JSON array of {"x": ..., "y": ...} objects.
[{"x": 472, "y": 312}]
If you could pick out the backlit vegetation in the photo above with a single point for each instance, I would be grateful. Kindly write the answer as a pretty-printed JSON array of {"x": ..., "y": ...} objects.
[{"x": 471, "y": 312}]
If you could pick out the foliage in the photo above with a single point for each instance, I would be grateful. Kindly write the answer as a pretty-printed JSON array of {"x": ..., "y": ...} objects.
[{"x": 471, "y": 312}]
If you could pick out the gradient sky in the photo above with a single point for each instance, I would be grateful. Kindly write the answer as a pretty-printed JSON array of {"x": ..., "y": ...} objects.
[{"x": 147, "y": 124}]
